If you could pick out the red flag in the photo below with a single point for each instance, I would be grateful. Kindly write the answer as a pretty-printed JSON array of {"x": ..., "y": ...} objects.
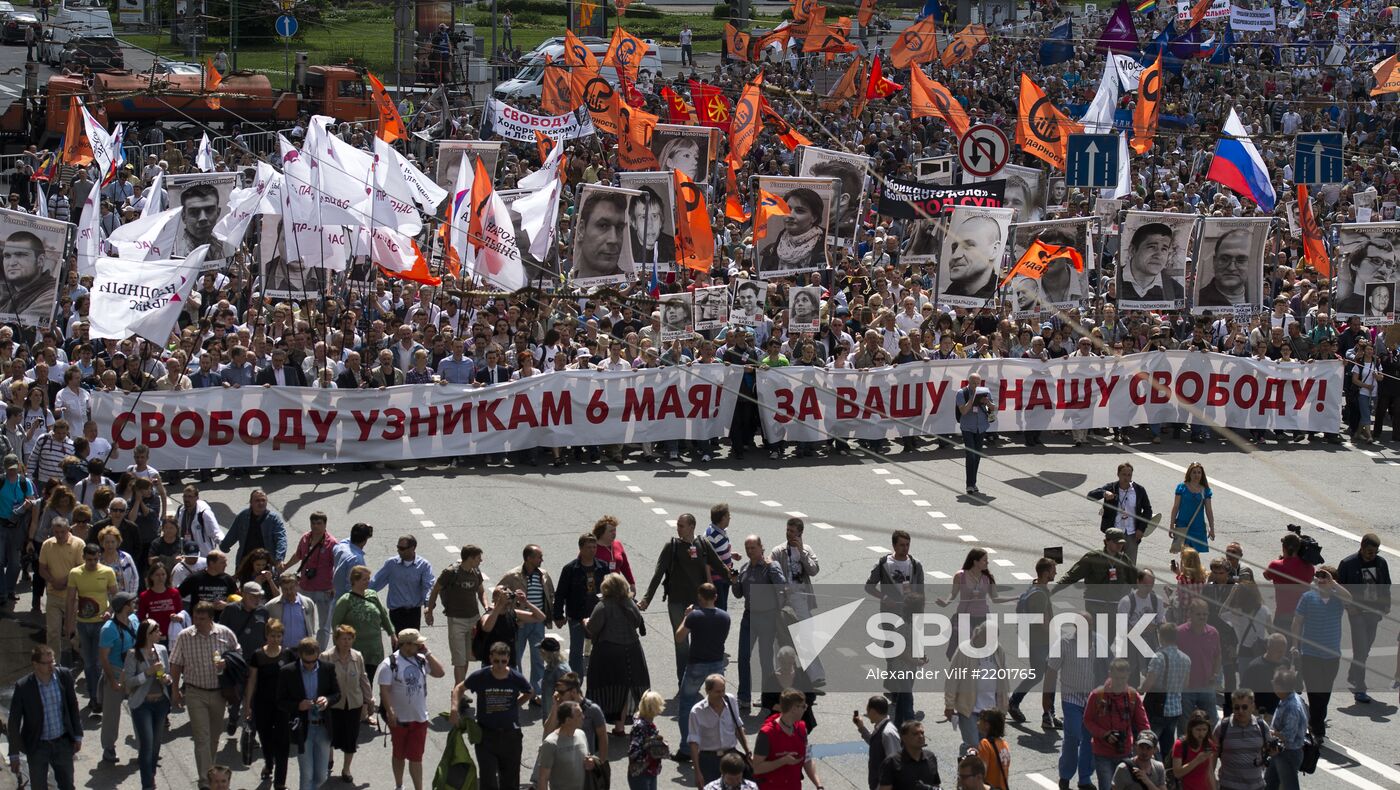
[
  {"x": 744, "y": 129},
  {"x": 630, "y": 94},
  {"x": 931, "y": 100},
  {"x": 678, "y": 110},
  {"x": 1314, "y": 249},
  {"x": 879, "y": 87},
  {"x": 420, "y": 273},
  {"x": 713, "y": 108},
  {"x": 695, "y": 238}
]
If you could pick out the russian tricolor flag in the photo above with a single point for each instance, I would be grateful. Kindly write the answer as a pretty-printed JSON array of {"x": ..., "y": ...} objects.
[{"x": 1238, "y": 165}]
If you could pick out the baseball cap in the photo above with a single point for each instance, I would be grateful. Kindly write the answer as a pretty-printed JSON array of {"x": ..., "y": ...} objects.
[
  {"x": 410, "y": 636},
  {"x": 1115, "y": 535},
  {"x": 11, "y": 461},
  {"x": 1147, "y": 737},
  {"x": 190, "y": 549},
  {"x": 122, "y": 599},
  {"x": 252, "y": 588}
]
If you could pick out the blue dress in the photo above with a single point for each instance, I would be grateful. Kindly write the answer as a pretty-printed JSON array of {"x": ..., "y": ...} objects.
[{"x": 1194, "y": 528}]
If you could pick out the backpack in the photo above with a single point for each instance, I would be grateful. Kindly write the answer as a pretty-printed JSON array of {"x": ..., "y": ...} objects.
[
  {"x": 457, "y": 769},
  {"x": 1223, "y": 728},
  {"x": 1023, "y": 601}
]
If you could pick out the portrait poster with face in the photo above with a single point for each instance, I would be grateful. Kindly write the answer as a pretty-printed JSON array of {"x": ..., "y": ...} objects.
[
  {"x": 602, "y": 252},
  {"x": 805, "y": 309},
  {"x": 1380, "y": 304},
  {"x": 283, "y": 278},
  {"x": 750, "y": 301},
  {"x": 677, "y": 316},
  {"x": 545, "y": 273},
  {"x": 1152, "y": 252},
  {"x": 972, "y": 251},
  {"x": 1060, "y": 286},
  {"x": 1025, "y": 191},
  {"x": 1056, "y": 194},
  {"x": 1230, "y": 265},
  {"x": 450, "y": 154},
  {"x": 689, "y": 149},
  {"x": 711, "y": 307},
  {"x": 852, "y": 174},
  {"x": 653, "y": 219},
  {"x": 32, "y": 253},
  {"x": 203, "y": 199},
  {"x": 796, "y": 242},
  {"x": 1365, "y": 253}
]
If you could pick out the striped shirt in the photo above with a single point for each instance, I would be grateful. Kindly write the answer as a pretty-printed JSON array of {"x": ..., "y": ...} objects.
[
  {"x": 47, "y": 459},
  {"x": 1322, "y": 624},
  {"x": 1171, "y": 668},
  {"x": 534, "y": 589},
  {"x": 1079, "y": 675},
  {"x": 194, "y": 654},
  {"x": 719, "y": 541}
]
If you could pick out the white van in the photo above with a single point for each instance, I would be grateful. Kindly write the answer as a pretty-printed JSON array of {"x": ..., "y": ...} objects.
[
  {"x": 74, "y": 19},
  {"x": 529, "y": 81}
]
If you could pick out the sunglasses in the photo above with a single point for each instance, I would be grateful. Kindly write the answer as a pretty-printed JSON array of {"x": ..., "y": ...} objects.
[{"x": 1240, "y": 707}]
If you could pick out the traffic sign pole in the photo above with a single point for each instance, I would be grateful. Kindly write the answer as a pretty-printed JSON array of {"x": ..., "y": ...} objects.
[
  {"x": 1318, "y": 158},
  {"x": 1091, "y": 160}
]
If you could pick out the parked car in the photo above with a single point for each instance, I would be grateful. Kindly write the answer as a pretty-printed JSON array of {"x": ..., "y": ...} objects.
[
  {"x": 163, "y": 66},
  {"x": 12, "y": 26},
  {"x": 97, "y": 53}
]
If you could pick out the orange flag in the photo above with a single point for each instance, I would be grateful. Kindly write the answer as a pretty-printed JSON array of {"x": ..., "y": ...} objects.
[
  {"x": 695, "y": 238},
  {"x": 1148, "y": 107},
  {"x": 828, "y": 39},
  {"x": 867, "y": 10},
  {"x": 1199, "y": 11},
  {"x": 1387, "y": 76},
  {"x": 804, "y": 9},
  {"x": 391, "y": 126},
  {"x": 964, "y": 45},
  {"x": 769, "y": 207},
  {"x": 711, "y": 106},
  {"x": 481, "y": 192},
  {"x": 583, "y": 68},
  {"x": 625, "y": 52},
  {"x": 879, "y": 87},
  {"x": 604, "y": 104},
  {"x": 543, "y": 144},
  {"x": 1314, "y": 248},
  {"x": 917, "y": 44},
  {"x": 77, "y": 151},
  {"x": 212, "y": 76},
  {"x": 931, "y": 100},
  {"x": 576, "y": 53},
  {"x": 556, "y": 96},
  {"x": 1041, "y": 129},
  {"x": 634, "y": 139},
  {"x": 737, "y": 42},
  {"x": 744, "y": 129},
  {"x": 733, "y": 204},
  {"x": 802, "y": 27},
  {"x": 790, "y": 136},
  {"x": 1038, "y": 258},
  {"x": 848, "y": 87}
]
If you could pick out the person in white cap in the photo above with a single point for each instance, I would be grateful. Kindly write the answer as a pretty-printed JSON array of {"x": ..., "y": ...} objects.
[{"x": 403, "y": 689}]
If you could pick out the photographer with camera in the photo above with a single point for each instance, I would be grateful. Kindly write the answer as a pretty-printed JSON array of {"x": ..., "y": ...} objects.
[
  {"x": 1113, "y": 717},
  {"x": 976, "y": 413}
]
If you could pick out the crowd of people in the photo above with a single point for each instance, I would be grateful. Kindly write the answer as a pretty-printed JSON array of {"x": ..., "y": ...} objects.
[{"x": 141, "y": 599}]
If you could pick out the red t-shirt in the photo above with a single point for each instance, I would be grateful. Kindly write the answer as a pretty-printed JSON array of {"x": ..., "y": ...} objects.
[
  {"x": 319, "y": 558},
  {"x": 159, "y": 607},
  {"x": 1199, "y": 778},
  {"x": 778, "y": 743},
  {"x": 1291, "y": 577}
]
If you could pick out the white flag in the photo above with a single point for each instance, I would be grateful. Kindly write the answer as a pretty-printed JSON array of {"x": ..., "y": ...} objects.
[
  {"x": 340, "y": 174},
  {"x": 390, "y": 250},
  {"x": 148, "y": 238},
  {"x": 498, "y": 260},
  {"x": 263, "y": 197},
  {"x": 1098, "y": 119},
  {"x": 104, "y": 153},
  {"x": 41, "y": 209},
  {"x": 1129, "y": 71},
  {"x": 393, "y": 204},
  {"x": 426, "y": 193},
  {"x": 89, "y": 234},
  {"x": 204, "y": 160},
  {"x": 1124, "y": 187},
  {"x": 306, "y": 238},
  {"x": 459, "y": 214},
  {"x": 539, "y": 217},
  {"x": 141, "y": 298},
  {"x": 155, "y": 197},
  {"x": 548, "y": 171}
]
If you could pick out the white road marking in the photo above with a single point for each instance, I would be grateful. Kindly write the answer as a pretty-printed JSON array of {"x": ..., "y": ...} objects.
[
  {"x": 822, "y": 525},
  {"x": 660, "y": 511},
  {"x": 723, "y": 483},
  {"x": 1369, "y": 762},
  {"x": 623, "y": 479},
  {"x": 1043, "y": 781},
  {"x": 394, "y": 488},
  {"x": 908, "y": 492},
  {"x": 939, "y": 575},
  {"x": 880, "y": 471},
  {"x": 895, "y": 481},
  {"x": 698, "y": 473},
  {"x": 936, "y": 514},
  {"x": 452, "y": 549},
  {"x": 1008, "y": 564},
  {"x": 407, "y": 500},
  {"x": 428, "y": 524},
  {"x": 968, "y": 538},
  {"x": 439, "y": 536},
  {"x": 1022, "y": 577},
  {"x": 770, "y": 503},
  {"x": 417, "y": 511},
  {"x": 797, "y": 514},
  {"x": 1290, "y": 512},
  {"x": 388, "y": 476},
  {"x": 921, "y": 503},
  {"x": 634, "y": 489},
  {"x": 646, "y": 500},
  {"x": 611, "y": 467},
  {"x": 876, "y": 549},
  {"x": 745, "y": 493},
  {"x": 953, "y": 527},
  {"x": 1347, "y": 776},
  {"x": 853, "y": 538}
]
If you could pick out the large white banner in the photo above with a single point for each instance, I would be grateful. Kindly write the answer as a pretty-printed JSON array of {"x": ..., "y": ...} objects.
[
  {"x": 1252, "y": 19},
  {"x": 141, "y": 298},
  {"x": 277, "y": 426},
  {"x": 1220, "y": 9},
  {"x": 810, "y": 404},
  {"x": 515, "y": 124}
]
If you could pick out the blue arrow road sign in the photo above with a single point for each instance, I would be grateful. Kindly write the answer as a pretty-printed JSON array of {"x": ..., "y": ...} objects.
[
  {"x": 1317, "y": 158},
  {"x": 286, "y": 26},
  {"x": 1092, "y": 160}
]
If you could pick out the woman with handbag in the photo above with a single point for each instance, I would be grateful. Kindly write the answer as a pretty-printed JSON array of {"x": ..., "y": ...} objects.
[
  {"x": 1193, "y": 496},
  {"x": 147, "y": 685},
  {"x": 617, "y": 671},
  {"x": 647, "y": 749},
  {"x": 260, "y": 704},
  {"x": 356, "y": 697}
]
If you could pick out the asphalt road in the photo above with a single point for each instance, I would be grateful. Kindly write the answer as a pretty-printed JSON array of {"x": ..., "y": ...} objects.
[{"x": 1032, "y": 500}]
